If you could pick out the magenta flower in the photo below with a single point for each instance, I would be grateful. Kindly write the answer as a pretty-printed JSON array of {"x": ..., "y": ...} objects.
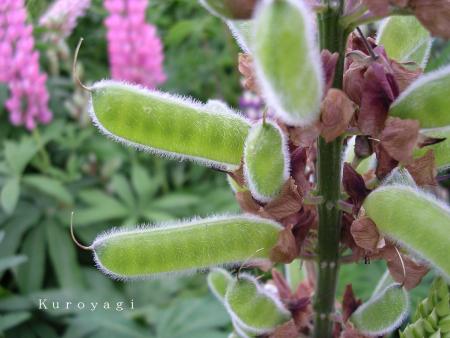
[
  {"x": 135, "y": 50},
  {"x": 19, "y": 68}
]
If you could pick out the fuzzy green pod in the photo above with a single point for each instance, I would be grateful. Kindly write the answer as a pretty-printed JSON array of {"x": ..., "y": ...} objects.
[
  {"x": 266, "y": 160},
  {"x": 441, "y": 150},
  {"x": 168, "y": 125},
  {"x": 218, "y": 281},
  {"x": 242, "y": 32},
  {"x": 254, "y": 309},
  {"x": 383, "y": 313},
  {"x": 405, "y": 39},
  {"x": 189, "y": 246},
  {"x": 426, "y": 99},
  {"x": 415, "y": 219},
  {"x": 287, "y": 61}
]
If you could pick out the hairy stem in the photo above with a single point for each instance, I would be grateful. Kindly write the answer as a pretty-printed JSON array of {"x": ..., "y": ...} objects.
[{"x": 332, "y": 37}]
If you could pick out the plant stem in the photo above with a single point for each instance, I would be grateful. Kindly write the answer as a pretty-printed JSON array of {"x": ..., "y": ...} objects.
[{"x": 332, "y": 37}]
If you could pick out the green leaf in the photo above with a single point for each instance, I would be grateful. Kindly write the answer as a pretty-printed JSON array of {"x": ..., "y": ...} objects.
[
  {"x": 243, "y": 296},
  {"x": 383, "y": 313},
  {"x": 63, "y": 256},
  {"x": 426, "y": 99},
  {"x": 11, "y": 262},
  {"x": 441, "y": 150},
  {"x": 10, "y": 194},
  {"x": 266, "y": 164},
  {"x": 287, "y": 61},
  {"x": 218, "y": 281},
  {"x": 405, "y": 39},
  {"x": 50, "y": 187},
  {"x": 415, "y": 219},
  {"x": 11, "y": 320},
  {"x": 30, "y": 276},
  {"x": 122, "y": 188},
  {"x": 142, "y": 184},
  {"x": 18, "y": 155},
  {"x": 294, "y": 273},
  {"x": 193, "y": 245},
  {"x": 167, "y": 125}
]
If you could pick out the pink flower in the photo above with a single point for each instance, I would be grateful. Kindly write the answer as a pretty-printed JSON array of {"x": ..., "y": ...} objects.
[
  {"x": 135, "y": 50},
  {"x": 61, "y": 17},
  {"x": 19, "y": 68}
]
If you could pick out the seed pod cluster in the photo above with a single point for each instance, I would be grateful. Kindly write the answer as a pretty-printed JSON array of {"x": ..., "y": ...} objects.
[
  {"x": 266, "y": 160},
  {"x": 168, "y": 125},
  {"x": 432, "y": 317},
  {"x": 383, "y": 313}
]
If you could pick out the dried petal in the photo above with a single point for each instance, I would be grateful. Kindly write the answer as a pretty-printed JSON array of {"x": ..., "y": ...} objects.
[
  {"x": 329, "y": 62},
  {"x": 399, "y": 138},
  {"x": 385, "y": 163},
  {"x": 354, "y": 185},
  {"x": 282, "y": 285},
  {"x": 434, "y": 15},
  {"x": 286, "y": 330},
  {"x": 245, "y": 67},
  {"x": 349, "y": 303},
  {"x": 354, "y": 81},
  {"x": 336, "y": 113},
  {"x": 377, "y": 7},
  {"x": 404, "y": 76},
  {"x": 286, "y": 249},
  {"x": 363, "y": 146},
  {"x": 423, "y": 169},
  {"x": 365, "y": 233},
  {"x": 248, "y": 203},
  {"x": 288, "y": 202},
  {"x": 304, "y": 136}
]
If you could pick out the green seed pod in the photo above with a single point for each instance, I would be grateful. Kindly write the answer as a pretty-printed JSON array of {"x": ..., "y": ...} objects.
[
  {"x": 405, "y": 39},
  {"x": 426, "y": 99},
  {"x": 188, "y": 246},
  {"x": 383, "y": 313},
  {"x": 252, "y": 307},
  {"x": 266, "y": 160},
  {"x": 218, "y": 281},
  {"x": 287, "y": 61},
  {"x": 441, "y": 150},
  {"x": 242, "y": 32},
  {"x": 168, "y": 125},
  {"x": 414, "y": 219}
]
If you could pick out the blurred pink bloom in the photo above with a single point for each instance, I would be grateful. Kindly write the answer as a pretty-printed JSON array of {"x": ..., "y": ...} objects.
[
  {"x": 19, "y": 67},
  {"x": 135, "y": 50},
  {"x": 61, "y": 17}
]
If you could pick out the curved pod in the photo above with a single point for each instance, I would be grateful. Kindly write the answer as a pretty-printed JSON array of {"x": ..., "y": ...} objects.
[
  {"x": 383, "y": 313},
  {"x": 426, "y": 99},
  {"x": 266, "y": 160},
  {"x": 414, "y": 219},
  {"x": 244, "y": 296},
  {"x": 218, "y": 281},
  {"x": 194, "y": 245},
  {"x": 287, "y": 62},
  {"x": 168, "y": 125}
]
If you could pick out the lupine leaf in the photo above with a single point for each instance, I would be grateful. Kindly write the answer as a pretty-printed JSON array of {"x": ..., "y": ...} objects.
[
  {"x": 266, "y": 160},
  {"x": 415, "y": 219},
  {"x": 168, "y": 125},
  {"x": 287, "y": 61},
  {"x": 405, "y": 39},
  {"x": 185, "y": 246},
  {"x": 253, "y": 308},
  {"x": 383, "y": 313},
  {"x": 426, "y": 99}
]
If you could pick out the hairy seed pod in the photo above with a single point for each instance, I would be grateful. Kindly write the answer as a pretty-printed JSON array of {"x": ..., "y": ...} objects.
[
  {"x": 218, "y": 281},
  {"x": 441, "y": 150},
  {"x": 383, "y": 313},
  {"x": 253, "y": 308},
  {"x": 405, "y": 39},
  {"x": 242, "y": 32},
  {"x": 168, "y": 125},
  {"x": 287, "y": 62},
  {"x": 426, "y": 99},
  {"x": 415, "y": 219},
  {"x": 266, "y": 160},
  {"x": 189, "y": 246}
]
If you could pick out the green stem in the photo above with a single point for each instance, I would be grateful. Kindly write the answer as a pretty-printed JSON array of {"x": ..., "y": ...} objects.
[{"x": 332, "y": 37}]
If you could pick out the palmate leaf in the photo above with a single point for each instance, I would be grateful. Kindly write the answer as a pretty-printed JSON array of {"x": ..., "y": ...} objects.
[
  {"x": 414, "y": 219},
  {"x": 405, "y": 39},
  {"x": 426, "y": 99},
  {"x": 186, "y": 246}
]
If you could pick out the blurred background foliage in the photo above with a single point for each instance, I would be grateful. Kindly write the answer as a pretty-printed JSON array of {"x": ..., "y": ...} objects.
[{"x": 68, "y": 166}]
